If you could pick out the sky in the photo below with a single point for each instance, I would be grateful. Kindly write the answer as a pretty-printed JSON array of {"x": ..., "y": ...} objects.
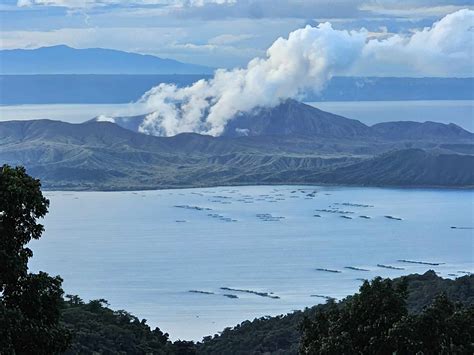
[{"x": 217, "y": 33}]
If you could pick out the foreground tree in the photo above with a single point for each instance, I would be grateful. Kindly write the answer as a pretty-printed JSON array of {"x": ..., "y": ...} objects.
[
  {"x": 442, "y": 328},
  {"x": 361, "y": 325},
  {"x": 30, "y": 304},
  {"x": 376, "y": 321}
]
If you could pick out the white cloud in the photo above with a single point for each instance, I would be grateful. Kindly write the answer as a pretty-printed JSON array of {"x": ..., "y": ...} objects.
[
  {"x": 445, "y": 49},
  {"x": 187, "y": 42},
  {"x": 101, "y": 3},
  {"x": 204, "y": 2},
  {"x": 22, "y": 3},
  {"x": 230, "y": 38},
  {"x": 417, "y": 12},
  {"x": 140, "y": 40},
  {"x": 196, "y": 47},
  {"x": 306, "y": 9},
  {"x": 307, "y": 59},
  {"x": 63, "y": 3},
  {"x": 238, "y": 30}
]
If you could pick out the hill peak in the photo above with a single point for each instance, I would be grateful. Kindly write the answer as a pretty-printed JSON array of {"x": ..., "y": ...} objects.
[{"x": 294, "y": 118}]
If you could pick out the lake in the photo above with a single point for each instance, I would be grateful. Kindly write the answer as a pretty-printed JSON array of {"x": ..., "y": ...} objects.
[
  {"x": 144, "y": 251},
  {"x": 72, "y": 113},
  {"x": 460, "y": 112}
]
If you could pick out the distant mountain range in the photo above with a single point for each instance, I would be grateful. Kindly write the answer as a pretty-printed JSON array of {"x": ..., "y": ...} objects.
[
  {"x": 66, "y": 60},
  {"x": 61, "y": 74},
  {"x": 289, "y": 144}
]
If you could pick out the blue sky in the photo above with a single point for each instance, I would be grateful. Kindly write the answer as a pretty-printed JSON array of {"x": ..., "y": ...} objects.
[{"x": 219, "y": 33}]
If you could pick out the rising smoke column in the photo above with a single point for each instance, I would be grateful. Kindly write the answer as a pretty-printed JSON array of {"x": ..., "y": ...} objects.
[{"x": 306, "y": 60}]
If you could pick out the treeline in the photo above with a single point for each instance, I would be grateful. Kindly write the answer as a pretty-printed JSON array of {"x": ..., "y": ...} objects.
[
  {"x": 96, "y": 328},
  {"x": 404, "y": 303},
  {"x": 376, "y": 321},
  {"x": 417, "y": 313}
]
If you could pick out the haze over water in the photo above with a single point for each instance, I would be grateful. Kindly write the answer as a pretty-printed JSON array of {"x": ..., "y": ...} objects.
[{"x": 144, "y": 251}]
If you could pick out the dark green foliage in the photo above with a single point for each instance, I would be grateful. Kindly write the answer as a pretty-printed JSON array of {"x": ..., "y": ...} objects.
[
  {"x": 97, "y": 328},
  {"x": 21, "y": 204},
  {"x": 274, "y": 335},
  {"x": 29, "y": 303},
  {"x": 361, "y": 325},
  {"x": 281, "y": 335},
  {"x": 376, "y": 321},
  {"x": 443, "y": 328},
  {"x": 422, "y": 289}
]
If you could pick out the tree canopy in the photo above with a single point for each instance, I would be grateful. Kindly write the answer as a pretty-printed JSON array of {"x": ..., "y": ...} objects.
[
  {"x": 97, "y": 328},
  {"x": 30, "y": 303},
  {"x": 376, "y": 321},
  {"x": 309, "y": 329}
]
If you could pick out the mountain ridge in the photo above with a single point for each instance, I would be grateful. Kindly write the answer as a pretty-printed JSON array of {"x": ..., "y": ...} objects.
[
  {"x": 427, "y": 129},
  {"x": 62, "y": 59},
  {"x": 105, "y": 156},
  {"x": 418, "y": 168},
  {"x": 295, "y": 118}
]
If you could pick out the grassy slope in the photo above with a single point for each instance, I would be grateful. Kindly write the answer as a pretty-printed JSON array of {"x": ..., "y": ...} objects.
[{"x": 104, "y": 156}]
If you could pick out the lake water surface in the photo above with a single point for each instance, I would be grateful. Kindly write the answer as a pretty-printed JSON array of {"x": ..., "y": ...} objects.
[{"x": 144, "y": 251}]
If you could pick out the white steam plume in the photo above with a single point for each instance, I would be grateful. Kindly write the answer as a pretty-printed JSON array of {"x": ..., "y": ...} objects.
[
  {"x": 105, "y": 118},
  {"x": 307, "y": 58},
  {"x": 305, "y": 61}
]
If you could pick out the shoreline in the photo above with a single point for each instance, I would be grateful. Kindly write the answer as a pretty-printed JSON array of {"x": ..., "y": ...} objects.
[{"x": 208, "y": 186}]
